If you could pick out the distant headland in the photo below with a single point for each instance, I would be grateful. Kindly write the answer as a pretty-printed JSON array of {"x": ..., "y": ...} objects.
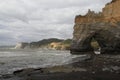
[{"x": 51, "y": 43}]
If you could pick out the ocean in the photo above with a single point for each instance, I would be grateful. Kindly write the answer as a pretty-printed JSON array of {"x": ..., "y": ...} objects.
[{"x": 15, "y": 59}]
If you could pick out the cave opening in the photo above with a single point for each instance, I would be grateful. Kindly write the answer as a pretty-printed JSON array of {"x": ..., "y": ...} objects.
[{"x": 95, "y": 45}]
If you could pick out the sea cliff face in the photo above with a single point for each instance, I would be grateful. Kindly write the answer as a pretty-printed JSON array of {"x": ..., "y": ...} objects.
[
  {"x": 104, "y": 27},
  {"x": 52, "y": 43},
  {"x": 112, "y": 9},
  {"x": 37, "y": 44}
]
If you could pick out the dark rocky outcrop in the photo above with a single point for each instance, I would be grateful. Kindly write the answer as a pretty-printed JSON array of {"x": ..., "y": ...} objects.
[
  {"x": 104, "y": 27},
  {"x": 102, "y": 67}
]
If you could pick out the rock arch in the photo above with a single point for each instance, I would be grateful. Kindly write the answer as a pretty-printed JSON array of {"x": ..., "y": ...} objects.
[
  {"x": 106, "y": 34},
  {"x": 104, "y": 27}
]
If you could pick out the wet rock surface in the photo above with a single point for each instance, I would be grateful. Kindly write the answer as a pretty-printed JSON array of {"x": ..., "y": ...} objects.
[{"x": 101, "y": 67}]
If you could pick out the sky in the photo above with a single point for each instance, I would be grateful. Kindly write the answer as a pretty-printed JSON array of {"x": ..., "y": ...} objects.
[{"x": 33, "y": 20}]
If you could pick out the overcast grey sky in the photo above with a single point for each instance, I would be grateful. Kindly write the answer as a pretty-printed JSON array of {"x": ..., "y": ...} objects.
[{"x": 33, "y": 20}]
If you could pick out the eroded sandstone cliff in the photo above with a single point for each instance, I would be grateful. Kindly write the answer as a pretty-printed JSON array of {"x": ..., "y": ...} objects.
[
  {"x": 104, "y": 27},
  {"x": 52, "y": 43},
  {"x": 112, "y": 9}
]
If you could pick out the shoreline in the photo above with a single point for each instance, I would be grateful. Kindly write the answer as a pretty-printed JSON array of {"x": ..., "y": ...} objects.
[{"x": 102, "y": 67}]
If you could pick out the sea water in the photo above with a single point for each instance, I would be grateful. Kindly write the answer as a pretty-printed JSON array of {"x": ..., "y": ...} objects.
[{"x": 16, "y": 59}]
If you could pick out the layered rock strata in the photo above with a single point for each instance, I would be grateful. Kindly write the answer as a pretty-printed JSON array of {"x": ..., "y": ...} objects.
[{"x": 104, "y": 27}]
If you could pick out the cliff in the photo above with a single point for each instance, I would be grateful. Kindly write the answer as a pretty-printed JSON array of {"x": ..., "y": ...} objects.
[
  {"x": 104, "y": 27},
  {"x": 110, "y": 13},
  {"x": 90, "y": 17},
  {"x": 52, "y": 43},
  {"x": 64, "y": 45},
  {"x": 37, "y": 44},
  {"x": 112, "y": 9}
]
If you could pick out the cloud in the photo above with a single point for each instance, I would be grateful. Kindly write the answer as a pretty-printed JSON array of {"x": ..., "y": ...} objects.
[{"x": 33, "y": 20}]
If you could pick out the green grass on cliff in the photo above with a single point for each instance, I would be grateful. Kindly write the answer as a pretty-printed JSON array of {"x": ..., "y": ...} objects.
[
  {"x": 44, "y": 42},
  {"x": 67, "y": 41}
]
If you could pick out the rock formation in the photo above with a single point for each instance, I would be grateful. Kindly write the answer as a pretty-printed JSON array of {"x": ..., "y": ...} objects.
[
  {"x": 37, "y": 44},
  {"x": 104, "y": 27},
  {"x": 52, "y": 43},
  {"x": 59, "y": 46},
  {"x": 112, "y": 9}
]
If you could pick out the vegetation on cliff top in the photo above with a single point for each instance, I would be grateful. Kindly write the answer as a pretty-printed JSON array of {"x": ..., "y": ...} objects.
[
  {"x": 44, "y": 42},
  {"x": 51, "y": 43}
]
